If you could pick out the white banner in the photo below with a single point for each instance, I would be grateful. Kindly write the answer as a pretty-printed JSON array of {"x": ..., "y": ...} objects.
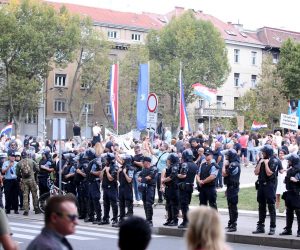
[{"x": 289, "y": 121}]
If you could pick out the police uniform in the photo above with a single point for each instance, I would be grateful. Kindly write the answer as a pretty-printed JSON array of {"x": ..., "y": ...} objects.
[
  {"x": 147, "y": 189},
  {"x": 94, "y": 191},
  {"x": 232, "y": 181},
  {"x": 125, "y": 188},
  {"x": 171, "y": 190},
  {"x": 188, "y": 172},
  {"x": 68, "y": 174},
  {"x": 207, "y": 191},
  {"x": 110, "y": 190},
  {"x": 266, "y": 190},
  {"x": 43, "y": 174},
  {"x": 292, "y": 195}
]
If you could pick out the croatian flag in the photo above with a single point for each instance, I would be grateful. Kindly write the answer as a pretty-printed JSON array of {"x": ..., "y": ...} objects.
[
  {"x": 114, "y": 88},
  {"x": 256, "y": 125},
  {"x": 184, "y": 123},
  {"x": 142, "y": 97},
  {"x": 205, "y": 92},
  {"x": 7, "y": 129}
]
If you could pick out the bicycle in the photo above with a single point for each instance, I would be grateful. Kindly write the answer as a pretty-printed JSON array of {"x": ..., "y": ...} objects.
[{"x": 54, "y": 190}]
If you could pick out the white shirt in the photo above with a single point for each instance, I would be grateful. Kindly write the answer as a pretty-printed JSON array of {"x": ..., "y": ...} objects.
[{"x": 96, "y": 130}]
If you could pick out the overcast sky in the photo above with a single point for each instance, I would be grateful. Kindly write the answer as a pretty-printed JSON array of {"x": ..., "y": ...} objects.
[{"x": 252, "y": 14}]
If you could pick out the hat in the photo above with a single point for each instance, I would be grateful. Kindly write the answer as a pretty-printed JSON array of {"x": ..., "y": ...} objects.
[
  {"x": 208, "y": 151},
  {"x": 17, "y": 154},
  {"x": 3, "y": 155},
  {"x": 148, "y": 159},
  {"x": 11, "y": 153}
]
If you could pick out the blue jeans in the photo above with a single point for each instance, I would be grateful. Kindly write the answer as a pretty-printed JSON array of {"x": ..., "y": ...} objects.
[
  {"x": 137, "y": 193},
  {"x": 252, "y": 152}
]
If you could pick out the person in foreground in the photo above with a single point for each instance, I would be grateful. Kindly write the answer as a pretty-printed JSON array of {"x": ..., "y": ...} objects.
[
  {"x": 204, "y": 230},
  {"x": 129, "y": 229},
  {"x": 60, "y": 220},
  {"x": 6, "y": 240}
]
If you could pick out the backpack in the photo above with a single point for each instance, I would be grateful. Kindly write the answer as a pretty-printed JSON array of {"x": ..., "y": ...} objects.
[{"x": 25, "y": 170}]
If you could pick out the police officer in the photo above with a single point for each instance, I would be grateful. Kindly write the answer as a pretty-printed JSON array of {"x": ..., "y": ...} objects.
[
  {"x": 110, "y": 189},
  {"x": 231, "y": 172},
  {"x": 292, "y": 195},
  {"x": 68, "y": 172},
  {"x": 186, "y": 177},
  {"x": 147, "y": 178},
  {"x": 3, "y": 157},
  {"x": 25, "y": 170},
  {"x": 93, "y": 179},
  {"x": 125, "y": 176},
  {"x": 205, "y": 178},
  {"x": 171, "y": 190},
  {"x": 267, "y": 169},
  {"x": 46, "y": 167}
]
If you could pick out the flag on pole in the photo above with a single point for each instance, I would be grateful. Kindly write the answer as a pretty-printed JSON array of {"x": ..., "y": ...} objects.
[
  {"x": 114, "y": 95},
  {"x": 142, "y": 97},
  {"x": 205, "y": 92},
  {"x": 7, "y": 129},
  {"x": 257, "y": 125},
  {"x": 184, "y": 123}
]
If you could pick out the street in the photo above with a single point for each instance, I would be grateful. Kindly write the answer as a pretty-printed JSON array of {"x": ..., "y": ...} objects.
[{"x": 89, "y": 236}]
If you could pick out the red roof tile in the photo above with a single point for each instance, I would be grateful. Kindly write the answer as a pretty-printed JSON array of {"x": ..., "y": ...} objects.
[{"x": 112, "y": 17}]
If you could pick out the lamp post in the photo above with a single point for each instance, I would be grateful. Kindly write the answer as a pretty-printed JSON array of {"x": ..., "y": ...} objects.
[{"x": 86, "y": 120}]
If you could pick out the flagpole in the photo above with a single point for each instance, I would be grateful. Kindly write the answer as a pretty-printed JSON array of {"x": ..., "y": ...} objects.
[
  {"x": 117, "y": 115},
  {"x": 148, "y": 78}
]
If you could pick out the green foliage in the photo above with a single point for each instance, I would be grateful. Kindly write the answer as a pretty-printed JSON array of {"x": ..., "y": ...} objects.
[
  {"x": 289, "y": 68},
  {"x": 32, "y": 36},
  {"x": 266, "y": 102},
  {"x": 200, "y": 48}
]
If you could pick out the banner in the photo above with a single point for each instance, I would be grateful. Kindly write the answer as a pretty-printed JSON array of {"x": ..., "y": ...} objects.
[
  {"x": 114, "y": 95},
  {"x": 240, "y": 123},
  {"x": 7, "y": 129},
  {"x": 206, "y": 93},
  {"x": 294, "y": 108},
  {"x": 142, "y": 96},
  {"x": 184, "y": 123},
  {"x": 289, "y": 121}
]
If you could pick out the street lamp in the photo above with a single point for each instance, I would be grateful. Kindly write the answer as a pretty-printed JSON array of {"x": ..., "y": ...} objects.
[{"x": 86, "y": 120}]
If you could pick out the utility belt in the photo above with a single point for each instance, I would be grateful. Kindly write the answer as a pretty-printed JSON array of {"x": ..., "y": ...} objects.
[
  {"x": 94, "y": 180},
  {"x": 183, "y": 186},
  {"x": 234, "y": 185},
  {"x": 109, "y": 186},
  {"x": 263, "y": 183}
]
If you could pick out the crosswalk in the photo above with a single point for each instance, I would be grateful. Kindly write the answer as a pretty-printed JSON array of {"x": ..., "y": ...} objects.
[{"x": 26, "y": 231}]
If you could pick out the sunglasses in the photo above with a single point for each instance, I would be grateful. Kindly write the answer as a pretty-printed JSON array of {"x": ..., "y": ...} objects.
[{"x": 71, "y": 217}]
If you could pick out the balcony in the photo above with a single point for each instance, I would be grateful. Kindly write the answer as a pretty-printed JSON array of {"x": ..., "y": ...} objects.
[{"x": 214, "y": 112}]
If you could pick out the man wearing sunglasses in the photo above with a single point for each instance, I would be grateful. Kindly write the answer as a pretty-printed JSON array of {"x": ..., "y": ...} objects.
[{"x": 61, "y": 218}]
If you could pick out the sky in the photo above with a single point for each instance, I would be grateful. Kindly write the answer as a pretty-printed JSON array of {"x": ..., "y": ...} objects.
[{"x": 252, "y": 14}]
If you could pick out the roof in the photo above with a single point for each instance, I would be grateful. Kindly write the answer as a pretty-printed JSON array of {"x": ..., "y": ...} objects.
[
  {"x": 274, "y": 37},
  {"x": 112, "y": 17}
]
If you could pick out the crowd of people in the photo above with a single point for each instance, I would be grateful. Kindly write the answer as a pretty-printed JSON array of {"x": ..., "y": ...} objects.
[{"x": 171, "y": 166}]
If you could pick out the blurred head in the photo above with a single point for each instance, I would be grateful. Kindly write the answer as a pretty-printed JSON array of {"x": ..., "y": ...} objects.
[
  {"x": 147, "y": 162},
  {"x": 204, "y": 229},
  {"x": 61, "y": 214}
]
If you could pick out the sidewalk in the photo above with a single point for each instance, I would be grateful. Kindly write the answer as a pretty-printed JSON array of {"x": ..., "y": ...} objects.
[{"x": 246, "y": 224}]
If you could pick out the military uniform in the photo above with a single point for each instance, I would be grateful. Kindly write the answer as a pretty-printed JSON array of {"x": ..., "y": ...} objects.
[
  {"x": 292, "y": 195},
  {"x": 231, "y": 174},
  {"x": 266, "y": 189},
  {"x": 187, "y": 173},
  {"x": 147, "y": 187},
  {"x": 110, "y": 190},
  {"x": 26, "y": 169}
]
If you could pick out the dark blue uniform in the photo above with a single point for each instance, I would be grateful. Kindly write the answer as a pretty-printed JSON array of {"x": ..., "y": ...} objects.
[
  {"x": 43, "y": 174},
  {"x": 147, "y": 188}
]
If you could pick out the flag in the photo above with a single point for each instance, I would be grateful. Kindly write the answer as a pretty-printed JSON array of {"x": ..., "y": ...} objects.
[
  {"x": 142, "y": 97},
  {"x": 205, "y": 92},
  {"x": 294, "y": 108},
  {"x": 184, "y": 123},
  {"x": 256, "y": 125},
  {"x": 114, "y": 95},
  {"x": 7, "y": 129}
]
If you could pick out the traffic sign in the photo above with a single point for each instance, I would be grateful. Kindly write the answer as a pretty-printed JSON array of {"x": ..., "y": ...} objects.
[
  {"x": 151, "y": 120},
  {"x": 152, "y": 102}
]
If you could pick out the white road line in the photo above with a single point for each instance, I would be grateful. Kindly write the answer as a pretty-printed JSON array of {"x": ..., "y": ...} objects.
[{"x": 23, "y": 236}]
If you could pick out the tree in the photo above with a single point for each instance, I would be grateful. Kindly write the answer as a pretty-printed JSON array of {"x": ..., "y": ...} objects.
[
  {"x": 33, "y": 37},
  {"x": 266, "y": 102},
  {"x": 289, "y": 68},
  {"x": 200, "y": 48},
  {"x": 91, "y": 69}
]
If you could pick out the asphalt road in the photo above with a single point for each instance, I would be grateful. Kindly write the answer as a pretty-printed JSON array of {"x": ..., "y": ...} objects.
[{"x": 89, "y": 236}]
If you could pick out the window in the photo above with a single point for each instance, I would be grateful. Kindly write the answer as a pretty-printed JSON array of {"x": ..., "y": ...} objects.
[
  {"x": 112, "y": 34},
  {"x": 59, "y": 106},
  {"x": 236, "y": 55},
  {"x": 135, "y": 37},
  {"x": 236, "y": 79},
  {"x": 235, "y": 101},
  {"x": 88, "y": 107},
  {"x": 253, "y": 57},
  {"x": 253, "y": 81},
  {"x": 84, "y": 85},
  {"x": 275, "y": 58},
  {"x": 107, "y": 108},
  {"x": 31, "y": 118},
  {"x": 201, "y": 103},
  {"x": 60, "y": 80},
  {"x": 219, "y": 101}
]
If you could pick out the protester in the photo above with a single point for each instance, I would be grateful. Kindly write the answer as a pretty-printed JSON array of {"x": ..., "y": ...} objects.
[
  {"x": 205, "y": 230},
  {"x": 60, "y": 220}
]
